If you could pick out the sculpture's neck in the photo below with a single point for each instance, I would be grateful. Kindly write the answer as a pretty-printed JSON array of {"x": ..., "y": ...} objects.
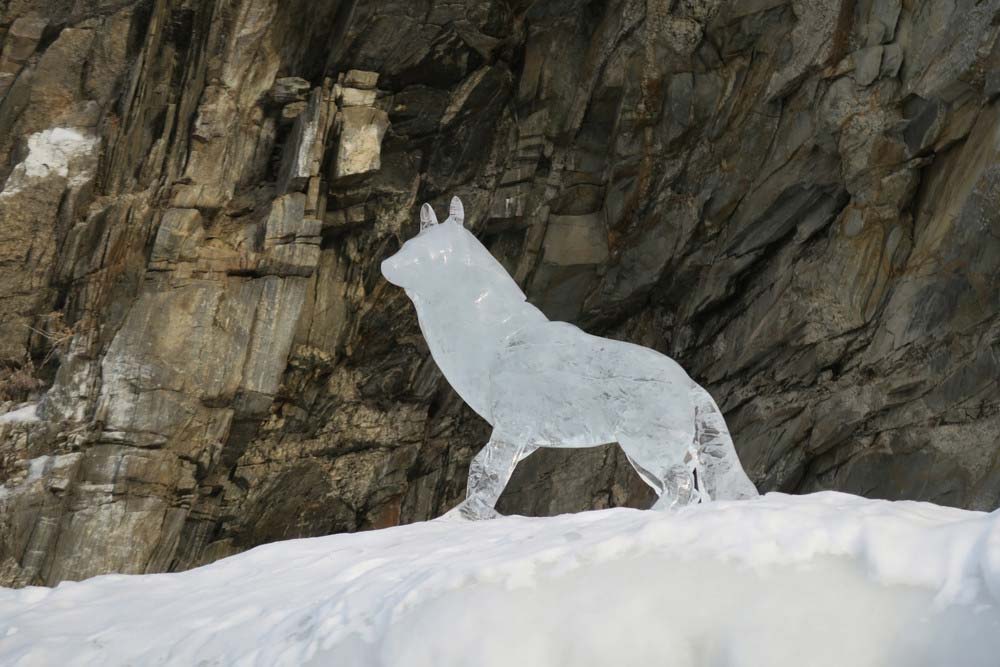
[{"x": 466, "y": 330}]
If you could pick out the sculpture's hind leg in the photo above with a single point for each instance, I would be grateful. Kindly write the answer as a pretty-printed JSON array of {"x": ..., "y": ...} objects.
[
  {"x": 724, "y": 477},
  {"x": 668, "y": 467},
  {"x": 488, "y": 476}
]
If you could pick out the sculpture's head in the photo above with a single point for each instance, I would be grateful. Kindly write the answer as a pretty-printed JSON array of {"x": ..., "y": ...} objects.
[{"x": 425, "y": 259}]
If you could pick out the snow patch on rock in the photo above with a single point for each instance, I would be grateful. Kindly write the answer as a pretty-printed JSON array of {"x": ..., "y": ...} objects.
[
  {"x": 36, "y": 468},
  {"x": 24, "y": 414},
  {"x": 59, "y": 151}
]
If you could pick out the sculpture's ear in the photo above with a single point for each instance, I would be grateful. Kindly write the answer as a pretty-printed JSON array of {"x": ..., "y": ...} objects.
[
  {"x": 456, "y": 211},
  {"x": 428, "y": 217}
]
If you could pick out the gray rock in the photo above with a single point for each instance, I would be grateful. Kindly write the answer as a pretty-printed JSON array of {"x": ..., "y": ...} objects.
[
  {"x": 303, "y": 154},
  {"x": 19, "y": 45},
  {"x": 575, "y": 239},
  {"x": 291, "y": 240},
  {"x": 179, "y": 237},
  {"x": 892, "y": 61},
  {"x": 868, "y": 65}
]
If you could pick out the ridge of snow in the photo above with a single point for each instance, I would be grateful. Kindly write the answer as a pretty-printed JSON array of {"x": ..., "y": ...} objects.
[{"x": 784, "y": 581}]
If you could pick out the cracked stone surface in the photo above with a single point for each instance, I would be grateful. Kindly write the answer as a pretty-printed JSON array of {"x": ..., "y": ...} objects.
[{"x": 799, "y": 200}]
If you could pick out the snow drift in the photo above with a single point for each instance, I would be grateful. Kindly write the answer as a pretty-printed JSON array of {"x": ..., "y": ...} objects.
[{"x": 826, "y": 579}]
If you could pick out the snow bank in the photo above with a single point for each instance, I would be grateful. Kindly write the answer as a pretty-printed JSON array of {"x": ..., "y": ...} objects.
[{"x": 827, "y": 579}]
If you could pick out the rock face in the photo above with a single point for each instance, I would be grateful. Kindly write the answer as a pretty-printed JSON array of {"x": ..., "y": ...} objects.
[{"x": 797, "y": 199}]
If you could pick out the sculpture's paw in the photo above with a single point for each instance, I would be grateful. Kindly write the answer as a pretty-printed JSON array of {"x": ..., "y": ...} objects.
[
  {"x": 470, "y": 510},
  {"x": 665, "y": 503},
  {"x": 668, "y": 502}
]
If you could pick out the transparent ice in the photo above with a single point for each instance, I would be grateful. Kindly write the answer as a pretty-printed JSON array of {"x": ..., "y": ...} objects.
[{"x": 548, "y": 384}]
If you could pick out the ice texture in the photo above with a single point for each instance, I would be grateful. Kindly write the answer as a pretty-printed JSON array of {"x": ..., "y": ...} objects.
[
  {"x": 825, "y": 580},
  {"x": 541, "y": 383}
]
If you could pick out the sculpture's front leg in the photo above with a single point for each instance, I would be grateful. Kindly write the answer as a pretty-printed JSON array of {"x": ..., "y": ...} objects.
[{"x": 488, "y": 476}]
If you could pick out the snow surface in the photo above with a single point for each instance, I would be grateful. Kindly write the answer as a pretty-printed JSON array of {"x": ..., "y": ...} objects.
[
  {"x": 780, "y": 581},
  {"x": 54, "y": 152}
]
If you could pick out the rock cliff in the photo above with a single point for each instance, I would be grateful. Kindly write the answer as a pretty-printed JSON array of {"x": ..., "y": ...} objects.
[{"x": 799, "y": 200}]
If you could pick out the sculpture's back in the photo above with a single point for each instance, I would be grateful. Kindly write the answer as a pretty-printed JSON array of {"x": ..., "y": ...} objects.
[{"x": 554, "y": 385}]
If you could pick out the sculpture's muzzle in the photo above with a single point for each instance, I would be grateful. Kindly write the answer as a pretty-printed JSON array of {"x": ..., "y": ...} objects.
[{"x": 390, "y": 271}]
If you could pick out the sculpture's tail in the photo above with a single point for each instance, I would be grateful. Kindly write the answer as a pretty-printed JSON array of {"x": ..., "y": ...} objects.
[{"x": 724, "y": 478}]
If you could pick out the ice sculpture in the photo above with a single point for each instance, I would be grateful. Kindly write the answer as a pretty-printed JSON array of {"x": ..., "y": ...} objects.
[{"x": 548, "y": 384}]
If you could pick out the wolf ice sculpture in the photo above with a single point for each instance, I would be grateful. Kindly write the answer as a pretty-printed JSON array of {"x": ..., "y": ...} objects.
[{"x": 549, "y": 384}]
